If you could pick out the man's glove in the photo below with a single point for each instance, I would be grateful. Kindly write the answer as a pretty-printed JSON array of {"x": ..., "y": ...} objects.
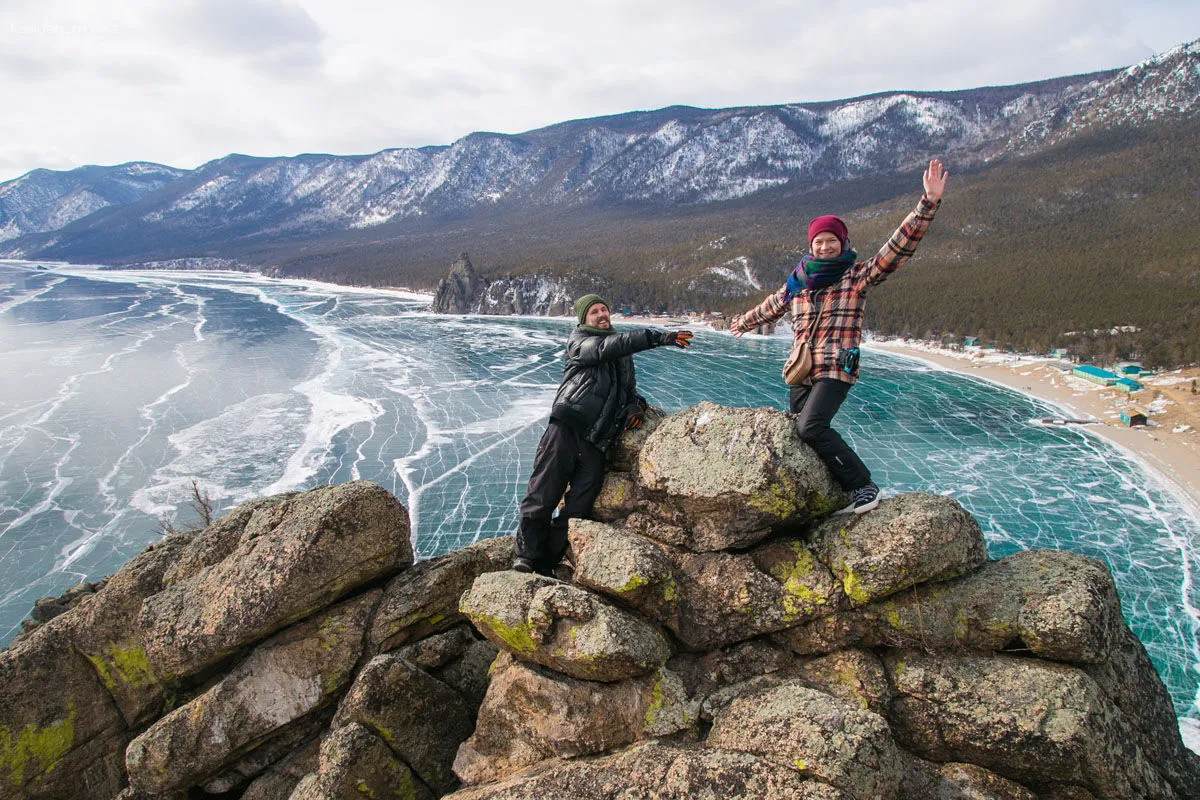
[
  {"x": 677, "y": 338},
  {"x": 635, "y": 420}
]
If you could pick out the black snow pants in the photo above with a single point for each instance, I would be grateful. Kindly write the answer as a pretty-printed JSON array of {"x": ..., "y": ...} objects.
[
  {"x": 563, "y": 459},
  {"x": 816, "y": 405}
]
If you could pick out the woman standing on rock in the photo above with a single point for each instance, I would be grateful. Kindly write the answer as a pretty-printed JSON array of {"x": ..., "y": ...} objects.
[{"x": 827, "y": 294}]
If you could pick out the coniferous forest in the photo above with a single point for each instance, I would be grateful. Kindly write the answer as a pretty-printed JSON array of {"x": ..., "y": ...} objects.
[{"x": 1091, "y": 246}]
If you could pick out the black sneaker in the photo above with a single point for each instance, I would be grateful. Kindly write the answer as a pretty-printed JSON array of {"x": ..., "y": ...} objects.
[
  {"x": 864, "y": 498},
  {"x": 522, "y": 565}
]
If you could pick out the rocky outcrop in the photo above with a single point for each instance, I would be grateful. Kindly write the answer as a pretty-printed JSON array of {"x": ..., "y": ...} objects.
[
  {"x": 219, "y": 662},
  {"x": 724, "y": 633},
  {"x": 458, "y": 291},
  {"x": 465, "y": 291}
]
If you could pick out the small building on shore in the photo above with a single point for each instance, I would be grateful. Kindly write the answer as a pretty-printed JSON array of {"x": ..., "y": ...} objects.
[
  {"x": 1135, "y": 415},
  {"x": 1127, "y": 385},
  {"x": 1095, "y": 375}
]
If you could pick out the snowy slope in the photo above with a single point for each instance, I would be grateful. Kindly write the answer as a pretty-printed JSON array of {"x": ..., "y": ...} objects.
[{"x": 673, "y": 156}]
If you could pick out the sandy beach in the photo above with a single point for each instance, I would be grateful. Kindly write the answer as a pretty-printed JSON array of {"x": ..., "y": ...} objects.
[{"x": 1169, "y": 445}]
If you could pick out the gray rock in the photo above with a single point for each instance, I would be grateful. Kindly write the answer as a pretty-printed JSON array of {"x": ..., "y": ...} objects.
[
  {"x": 356, "y": 764},
  {"x": 1037, "y": 722},
  {"x": 1056, "y": 605},
  {"x": 623, "y": 456},
  {"x": 292, "y": 559},
  {"x": 907, "y": 540},
  {"x": 617, "y": 498},
  {"x": 103, "y": 629},
  {"x": 707, "y": 600},
  {"x": 294, "y": 738},
  {"x": 657, "y": 771},
  {"x": 61, "y": 735},
  {"x": 563, "y": 627},
  {"x": 856, "y": 676},
  {"x": 926, "y": 780},
  {"x": 424, "y": 600},
  {"x": 280, "y": 780},
  {"x": 623, "y": 565},
  {"x": 1129, "y": 679},
  {"x": 471, "y": 672},
  {"x": 706, "y": 673},
  {"x": 287, "y": 677},
  {"x": 213, "y": 544},
  {"x": 531, "y": 714},
  {"x": 731, "y": 476},
  {"x": 815, "y": 734},
  {"x": 458, "y": 291},
  {"x": 421, "y": 719},
  {"x": 439, "y": 649}
]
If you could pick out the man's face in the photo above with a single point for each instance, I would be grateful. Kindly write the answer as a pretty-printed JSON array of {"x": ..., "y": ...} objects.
[
  {"x": 597, "y": 317},
  {"x": 826, "y": 245}
]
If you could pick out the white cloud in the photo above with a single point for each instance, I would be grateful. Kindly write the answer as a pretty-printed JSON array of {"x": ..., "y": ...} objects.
[{"x": 185, "y": 83}]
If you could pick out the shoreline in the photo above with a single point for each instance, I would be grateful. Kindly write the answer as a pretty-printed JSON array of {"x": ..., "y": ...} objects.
[
  {"x": 1168, "y": 449},
  {"x": 1165, "y": 452}
]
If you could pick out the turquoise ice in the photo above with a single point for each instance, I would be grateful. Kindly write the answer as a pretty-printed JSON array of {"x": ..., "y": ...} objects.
[{"x": 120, "y": 388}]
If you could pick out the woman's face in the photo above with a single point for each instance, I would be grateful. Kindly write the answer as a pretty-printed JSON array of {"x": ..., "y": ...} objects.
[{"x": 826, "y": 245}]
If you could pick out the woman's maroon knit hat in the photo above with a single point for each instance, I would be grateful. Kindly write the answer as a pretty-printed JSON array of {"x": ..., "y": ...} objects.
[{"x": 831, "y": 224}]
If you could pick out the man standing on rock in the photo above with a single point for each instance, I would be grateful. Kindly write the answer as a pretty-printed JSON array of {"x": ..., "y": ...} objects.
[
  {"x": 596, "y": 400},
  {"x": 827, "y": 294}
]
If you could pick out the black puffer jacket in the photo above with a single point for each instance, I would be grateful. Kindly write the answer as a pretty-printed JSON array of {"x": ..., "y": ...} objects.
[{"x": 598, "y": 390}]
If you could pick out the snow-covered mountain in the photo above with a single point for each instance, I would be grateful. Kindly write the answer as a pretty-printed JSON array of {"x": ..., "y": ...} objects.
[
  {"x": 46, "y": 200},
  {"x": 672, "y": 156}
]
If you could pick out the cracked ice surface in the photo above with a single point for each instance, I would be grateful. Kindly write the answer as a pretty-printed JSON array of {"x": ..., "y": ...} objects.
[{"x": 121, "y": 387}]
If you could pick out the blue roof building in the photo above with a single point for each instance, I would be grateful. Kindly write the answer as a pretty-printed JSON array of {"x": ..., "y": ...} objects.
[
  {"x": 1128, "y": 385},
  {"x": 1095, "y": 375}
]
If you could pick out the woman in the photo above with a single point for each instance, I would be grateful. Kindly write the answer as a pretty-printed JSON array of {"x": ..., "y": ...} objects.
[{"x": 827, "y": 293}]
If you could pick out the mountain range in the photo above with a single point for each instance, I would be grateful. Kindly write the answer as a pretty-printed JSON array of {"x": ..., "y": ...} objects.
[{"x": 676, "y": 207}]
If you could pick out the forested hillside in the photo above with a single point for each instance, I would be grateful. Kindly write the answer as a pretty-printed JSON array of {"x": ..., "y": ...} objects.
[{"x": 1052, "y": 250}]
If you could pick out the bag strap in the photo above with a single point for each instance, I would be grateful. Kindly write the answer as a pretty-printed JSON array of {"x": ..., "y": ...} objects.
[{"x": 812, "y": 326}]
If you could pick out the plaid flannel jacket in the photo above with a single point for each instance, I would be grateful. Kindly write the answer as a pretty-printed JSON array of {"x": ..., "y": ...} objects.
[{"x": 841, "y": 305}]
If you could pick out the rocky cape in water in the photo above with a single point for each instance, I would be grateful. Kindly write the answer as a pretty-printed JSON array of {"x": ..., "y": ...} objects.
[
  {"x": 465, "y": 291},
  {"x": 723, "y": 633}
]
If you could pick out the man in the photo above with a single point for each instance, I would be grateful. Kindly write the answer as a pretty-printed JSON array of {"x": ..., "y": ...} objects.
[
  {"x": 827, "y": 294},
  {"x": 596, "y": 400}
]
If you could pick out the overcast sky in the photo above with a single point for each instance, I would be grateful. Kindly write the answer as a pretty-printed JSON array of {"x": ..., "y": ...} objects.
[{"x": 185, "y": 81}]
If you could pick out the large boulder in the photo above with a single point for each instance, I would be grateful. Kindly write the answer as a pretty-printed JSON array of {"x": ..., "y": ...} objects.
[
  {"x": 61, "y": 735},
  {"x": 563, "y": 627},
  {"x": 907, "y": 540},
  {"x": 291, "y": 559},
  {"x": 816, "y": 734},
  {"x": 706, "y": 599},
  {"x": 623, "y": 456},
  {"x": 355, "y": 764},
  {"x": 731, "y": 476},
  {"x": 657, "y": 771},
  {"x": 103, "y": 629},
  {"x": 424, "y": 600},
  {"x": 420, "y": 718},
  {"x": 1040, "y": 723},
  {"x": 1056, "y": 605},
  {"x": 531, "y": 714},
  {"x": 1129, "y": 679},
  {"x": 289, "y": 676},
  {"x": 213, "y": 544}
]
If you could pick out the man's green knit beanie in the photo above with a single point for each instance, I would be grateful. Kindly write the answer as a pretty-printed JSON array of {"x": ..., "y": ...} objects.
[{"x": 584, "y": 303}]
